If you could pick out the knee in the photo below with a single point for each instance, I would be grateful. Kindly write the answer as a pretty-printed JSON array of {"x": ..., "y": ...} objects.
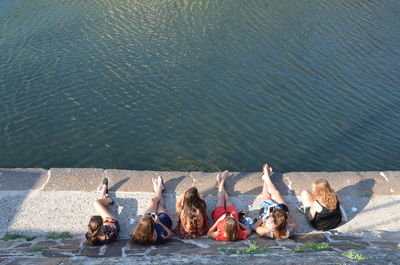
[
  {"x": 154, "y": 199},
  {"x": 305, "y": 193}
]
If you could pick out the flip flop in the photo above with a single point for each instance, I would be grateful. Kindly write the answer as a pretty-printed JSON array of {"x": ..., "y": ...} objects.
[{"x": 105, "y": 182}]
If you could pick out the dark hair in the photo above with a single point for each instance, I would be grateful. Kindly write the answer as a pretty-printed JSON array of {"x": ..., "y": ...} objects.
[
  {"x": 144, "y": 231},
  {"x": 94, "y": 227},
  {"x": 231, "y": 229},
  {"x": 279, "y": 218},
  {"x": 192, "y": 205}
]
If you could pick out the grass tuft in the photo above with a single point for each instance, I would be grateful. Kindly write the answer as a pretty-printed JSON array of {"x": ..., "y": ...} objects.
[
  {"x": 37, "y": 248},
  {"x": 319, "y": 246},
  {"x": 353, "y": 255},
  {"x": 10, "y": 236},
  {"x": 55, "y": 235},
  {"x": 298, "y": 249},
  {"x": 252, "y": 249}
]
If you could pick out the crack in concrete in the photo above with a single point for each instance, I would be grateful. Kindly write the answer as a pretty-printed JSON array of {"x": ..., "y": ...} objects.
[{"x": 47, "y": 180}]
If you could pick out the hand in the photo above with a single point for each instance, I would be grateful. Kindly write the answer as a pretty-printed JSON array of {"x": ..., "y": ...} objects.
[
  {"x": 221, "y": 218},
  {"x": 156, "y": 219}
]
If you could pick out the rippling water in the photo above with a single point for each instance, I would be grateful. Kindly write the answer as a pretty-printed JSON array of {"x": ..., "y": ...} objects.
[{"x": 200, "y": 85}]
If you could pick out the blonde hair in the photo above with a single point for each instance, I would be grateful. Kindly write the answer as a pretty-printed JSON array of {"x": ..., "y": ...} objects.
[
  {"x": 144, "y": 232},
  {"x": 231, "y": 229},
  {"x": 325, "y": 194}
]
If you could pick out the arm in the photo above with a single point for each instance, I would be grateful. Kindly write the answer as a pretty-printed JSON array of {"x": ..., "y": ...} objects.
[
  {"x": 169, "y": 231},
  {"x": 262, "y": 231},
  {"x": 212, "y": 232},
  {"x": 179, "y": 205},
  {"x": 245, "y": 229},
  {"x": 292, "y": 224},
  {"x": 314, "y": 209}
]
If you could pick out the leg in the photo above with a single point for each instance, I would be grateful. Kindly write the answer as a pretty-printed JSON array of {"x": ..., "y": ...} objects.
[
  {"x": 274, "y": 193},
  {"x": 160, "y": 208},
  {"x": 307, "y": 198},
  {"x": 221, "y": 191},
  {"x": 265, "y": 192},
  {"x": 100, "y": 206},
  {"x": 152, "y": 205},
  {"x": 227, "y": 200}
]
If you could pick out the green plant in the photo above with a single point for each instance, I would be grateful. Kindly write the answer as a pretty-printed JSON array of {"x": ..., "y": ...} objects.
[
  {"x": 37, "y": 248},
  {"x": 298, "y": 249},
  {"x": 55, "y": 235},
  {"x": 353, "y": 255},
  {"x": 252, "y": 249},
  {"x": 10, "y": 236},
  {"x": 319, "y": 246}
]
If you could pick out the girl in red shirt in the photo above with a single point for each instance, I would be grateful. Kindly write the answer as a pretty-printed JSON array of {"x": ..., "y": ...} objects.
[{"x": 227, "y": 226}]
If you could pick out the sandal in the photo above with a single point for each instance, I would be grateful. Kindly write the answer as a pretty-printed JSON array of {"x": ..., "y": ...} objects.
[{"x": 105, "y": 182}]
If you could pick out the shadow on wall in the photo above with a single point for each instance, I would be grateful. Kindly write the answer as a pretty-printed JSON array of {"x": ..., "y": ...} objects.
[
  {"x": 124, "y": 209},
  {"x": 15, "y": 187},
  {"x": 364, "y": 191}
]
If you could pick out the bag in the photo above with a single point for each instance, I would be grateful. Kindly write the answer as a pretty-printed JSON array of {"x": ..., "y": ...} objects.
[{"x": 247, "y": 220}]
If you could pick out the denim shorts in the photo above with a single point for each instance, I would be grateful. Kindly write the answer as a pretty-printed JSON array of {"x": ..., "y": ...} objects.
[{"x": 264, "y": 205}]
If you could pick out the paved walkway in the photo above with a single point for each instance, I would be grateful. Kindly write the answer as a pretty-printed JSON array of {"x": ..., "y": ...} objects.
[{"x": 36, "y": 202}]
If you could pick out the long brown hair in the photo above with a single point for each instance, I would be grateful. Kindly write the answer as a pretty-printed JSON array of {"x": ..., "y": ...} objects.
[
  {"x": 192, "y": 205},
  {"x": 325, "y": 194},
  {"x": 144, "y": 231},
  {"x": 279, "y": 219},
  {"x": 231, "y": 229},
  {"x": 94, "y": 228}
]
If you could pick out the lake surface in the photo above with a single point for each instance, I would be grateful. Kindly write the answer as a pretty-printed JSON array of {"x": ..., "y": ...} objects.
[{"x": 200, "y": 85}]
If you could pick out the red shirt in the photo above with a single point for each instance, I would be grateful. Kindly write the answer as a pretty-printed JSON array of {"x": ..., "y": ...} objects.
[{"x": 221, "y": 225}]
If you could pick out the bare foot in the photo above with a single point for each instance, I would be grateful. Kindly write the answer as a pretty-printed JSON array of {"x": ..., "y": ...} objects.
[
  {"x": 218, "y": 177},
  {"x": 155, "y": 184},
  {"x": 224, "y": 176},
  {"x": 267, "y": 171},
  {"x": 161, "y": 183}
]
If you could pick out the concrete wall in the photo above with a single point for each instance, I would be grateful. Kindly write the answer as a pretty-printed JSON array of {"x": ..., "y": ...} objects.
[{"x": 39, "y": 200}]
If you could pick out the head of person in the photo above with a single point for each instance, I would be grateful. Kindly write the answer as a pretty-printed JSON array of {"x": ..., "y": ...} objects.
[
  {"x": 94, "y": 228},
  {"x": 144, "y": 231},
  {"x": 231, "y": 228},
  {"x": 280, "y": 221},
  {"x": 192, "y": 207},
  {"x": 324, "y": 194}
]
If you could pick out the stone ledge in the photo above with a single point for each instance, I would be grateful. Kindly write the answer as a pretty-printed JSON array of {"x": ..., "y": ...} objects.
[{"x": 364, "y": 183}]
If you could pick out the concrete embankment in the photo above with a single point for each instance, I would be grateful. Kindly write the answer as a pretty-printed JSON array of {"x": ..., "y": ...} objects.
[
  {"x": 37, "y": 202},
  {"x": 60, "y": 199}
]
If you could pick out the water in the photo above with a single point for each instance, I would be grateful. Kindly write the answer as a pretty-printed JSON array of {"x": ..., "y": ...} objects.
[{"x": 200, "y": 85}]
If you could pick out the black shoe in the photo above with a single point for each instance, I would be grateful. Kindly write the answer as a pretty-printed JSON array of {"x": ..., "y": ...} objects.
[{"x": 105, "y": 182}]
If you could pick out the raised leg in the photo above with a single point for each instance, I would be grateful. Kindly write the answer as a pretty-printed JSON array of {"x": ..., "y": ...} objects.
[
  {"x": 100, "y": 206},
  {"x": 152, "y": 205},
  {"x": 221, "y": 191},
  {"x": 270, "y": 187},
  {"x": 160, "y": 208},
  {"x": 307, "y": 198}
]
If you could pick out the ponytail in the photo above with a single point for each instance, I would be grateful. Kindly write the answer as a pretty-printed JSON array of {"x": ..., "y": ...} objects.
[{"x": 94, "y": 228}]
